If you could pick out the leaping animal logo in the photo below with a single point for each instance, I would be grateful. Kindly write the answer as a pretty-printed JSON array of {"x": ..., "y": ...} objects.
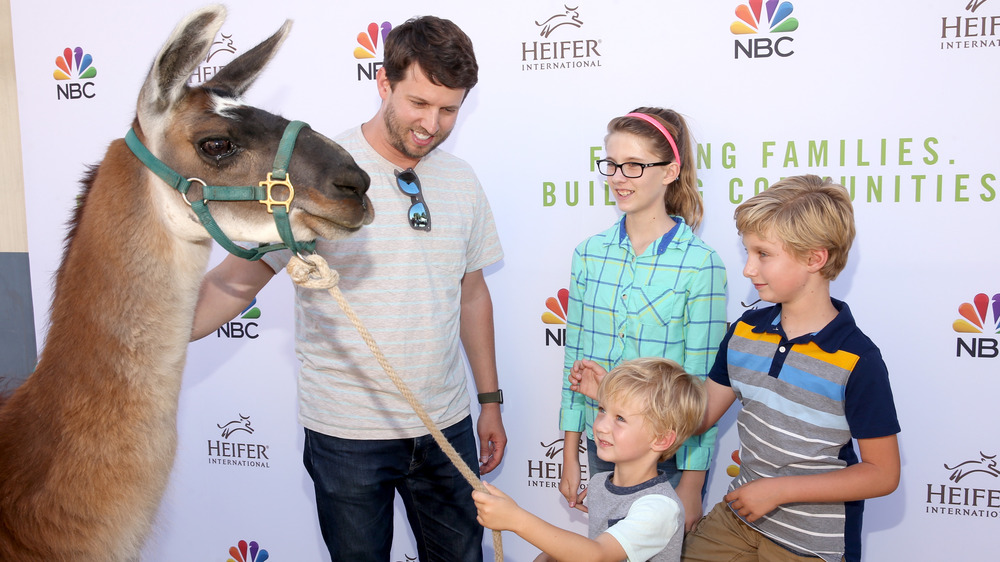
[
  {"x": 242, "y": 424},
  {"x": 986, "y": 464},
  {"x": 974, "y": 4},
  {"x": 223, "y": 44},
  {"x": 570, "y": 17},
  {"x": 556, "y": 447}
]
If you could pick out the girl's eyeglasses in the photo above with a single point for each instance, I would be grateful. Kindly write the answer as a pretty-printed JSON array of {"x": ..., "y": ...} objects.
[{"x": 629, "y": 169}]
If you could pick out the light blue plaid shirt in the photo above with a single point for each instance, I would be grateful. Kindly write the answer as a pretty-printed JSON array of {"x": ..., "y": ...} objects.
[{"x": 669, "y": 302}]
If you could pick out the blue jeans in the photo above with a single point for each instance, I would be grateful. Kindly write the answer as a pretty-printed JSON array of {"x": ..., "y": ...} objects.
[{"x": 356, "y": 482}]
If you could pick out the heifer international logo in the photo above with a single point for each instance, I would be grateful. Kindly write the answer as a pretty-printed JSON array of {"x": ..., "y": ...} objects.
[
  {"x": 554, "y": 316},
  {"x": 570, "y": 17},
  {"x": 561, "y": 53},
  {"x": 977, "y": 498},
  {"x": 757, "y": 17},
  {"x": 369, "y": 48},
  {"x": 986, "y": 464},
  {"x": 242, "y": 424},
  {"x": 546, "y": 471},
  {"x": 232, "y": 452},
  {"x": 973, "y": 30},
  {"x": 223, "y": 50},
  {"x": 981, "y": 319},
  {"x": 73, "y": 72}
]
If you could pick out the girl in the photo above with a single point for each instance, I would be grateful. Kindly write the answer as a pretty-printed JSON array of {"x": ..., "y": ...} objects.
[{"x": 646, "y": 287}]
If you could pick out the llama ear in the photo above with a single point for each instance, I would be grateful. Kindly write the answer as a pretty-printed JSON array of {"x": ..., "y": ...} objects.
[
  {"x": 187, "y": 46},
  {"x": 239, "y": 74}
]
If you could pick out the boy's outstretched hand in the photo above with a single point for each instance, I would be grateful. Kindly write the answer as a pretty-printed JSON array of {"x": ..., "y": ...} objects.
[
  {"x": 496, "y": 510},
  {"x": 585, "y": 376}
]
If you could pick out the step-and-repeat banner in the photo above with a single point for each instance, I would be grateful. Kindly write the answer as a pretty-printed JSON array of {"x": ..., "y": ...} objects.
[{"x": 895, "y": 100}]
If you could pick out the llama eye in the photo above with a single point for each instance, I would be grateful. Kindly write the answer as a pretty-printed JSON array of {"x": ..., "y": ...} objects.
[{"x": 217, "y": 148}]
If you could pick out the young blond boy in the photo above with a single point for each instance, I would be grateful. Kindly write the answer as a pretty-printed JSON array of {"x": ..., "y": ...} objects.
[
  {"x": 646, "y": 409},
  {"x": 809, "y": 381}
]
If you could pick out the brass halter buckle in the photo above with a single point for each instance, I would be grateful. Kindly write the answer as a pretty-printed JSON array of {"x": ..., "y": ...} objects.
[{"x": 271, "y": 201}]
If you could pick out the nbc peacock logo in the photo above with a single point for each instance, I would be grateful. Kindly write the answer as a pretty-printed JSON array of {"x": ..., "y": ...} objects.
[
  {"x": 244, "y": 327},
  {"x": 752, "y": 18},
  {"x": 369, "y": 47},
  {"x": 979, "y": 318},
  {"x": 74, "y": 69},
  {"x": 734, "y": 469},
  {"x": 251, "y": 312},
  {"x": 555, "y": 316},
  {"x": 245, "y": 551},
  {"x": 758, "y": 17},
  {"x": 74, "y": 63}
]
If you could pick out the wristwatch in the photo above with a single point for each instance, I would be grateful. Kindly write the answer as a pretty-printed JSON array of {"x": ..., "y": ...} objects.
[{"x": 491, "y": 397}]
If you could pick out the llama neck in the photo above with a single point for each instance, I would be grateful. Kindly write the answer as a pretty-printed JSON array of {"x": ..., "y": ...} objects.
[
  {"x": 93, "y": 430},
  {"x": 127, "y": 287}
]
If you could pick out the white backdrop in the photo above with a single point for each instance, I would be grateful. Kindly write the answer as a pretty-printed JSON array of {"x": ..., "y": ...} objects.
[{"x": 897, "y": 100}]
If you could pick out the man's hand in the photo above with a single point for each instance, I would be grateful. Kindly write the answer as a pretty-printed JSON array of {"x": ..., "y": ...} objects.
[{"x": 492, "y": 438}]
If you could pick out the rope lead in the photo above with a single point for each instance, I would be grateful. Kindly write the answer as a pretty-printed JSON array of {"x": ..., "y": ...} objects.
[{"x": 312, "y": 272}]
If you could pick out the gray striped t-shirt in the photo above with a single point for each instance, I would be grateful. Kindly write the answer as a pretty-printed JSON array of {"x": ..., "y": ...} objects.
[{"x": 405, "y": 285}]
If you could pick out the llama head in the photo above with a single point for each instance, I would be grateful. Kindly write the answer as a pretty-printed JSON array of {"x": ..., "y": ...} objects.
[{"x": 208, "y": 132}]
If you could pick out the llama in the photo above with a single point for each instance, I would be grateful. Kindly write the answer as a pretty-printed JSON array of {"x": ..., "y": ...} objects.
[{"x": 87, "y": 442}]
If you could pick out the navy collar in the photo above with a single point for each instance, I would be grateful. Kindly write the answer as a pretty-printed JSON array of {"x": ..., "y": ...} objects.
[
  {"x": 830, "y": 338},
  {"x": 623, "y": 490}
]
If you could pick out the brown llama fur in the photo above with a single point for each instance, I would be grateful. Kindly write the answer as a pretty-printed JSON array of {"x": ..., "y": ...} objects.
[{"x": 88, "y": 441}]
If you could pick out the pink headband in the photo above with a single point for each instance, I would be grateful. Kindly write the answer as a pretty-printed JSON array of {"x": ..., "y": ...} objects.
[{"x": 649, "y": 119}]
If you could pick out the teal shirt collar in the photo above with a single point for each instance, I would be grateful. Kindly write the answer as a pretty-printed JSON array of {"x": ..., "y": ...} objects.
[{"x": 679, "y": 233}]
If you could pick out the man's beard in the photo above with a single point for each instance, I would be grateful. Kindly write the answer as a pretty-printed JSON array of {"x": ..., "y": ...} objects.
[{"x": 399, "y": 133}]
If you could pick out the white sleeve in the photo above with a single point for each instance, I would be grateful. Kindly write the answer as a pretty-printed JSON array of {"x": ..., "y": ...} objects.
[{"x": 651, "y": 522}]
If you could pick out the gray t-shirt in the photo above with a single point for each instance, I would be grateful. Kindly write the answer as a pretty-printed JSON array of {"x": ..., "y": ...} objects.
[
  {"x": 647, "y": 520},
  {"x": 405, "y": 285}
]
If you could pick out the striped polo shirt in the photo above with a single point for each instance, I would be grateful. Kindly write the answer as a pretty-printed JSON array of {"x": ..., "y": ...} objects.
[
  {"x": 670, "y": 301},
  {"x": 803, "y": 402},
  {"x": 405, "y": 285}
]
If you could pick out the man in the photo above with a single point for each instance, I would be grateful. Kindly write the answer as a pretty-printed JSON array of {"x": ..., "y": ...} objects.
[{"x": 414, "y": 276}]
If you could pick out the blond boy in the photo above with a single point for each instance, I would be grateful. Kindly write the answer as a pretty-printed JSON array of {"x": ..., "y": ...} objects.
[
  {"x": 646, "y": 409},
  {"x": 809, "y": 381}
]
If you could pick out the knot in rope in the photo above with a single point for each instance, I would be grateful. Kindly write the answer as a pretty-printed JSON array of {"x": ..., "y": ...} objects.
[{"x": 312, "y": 272}]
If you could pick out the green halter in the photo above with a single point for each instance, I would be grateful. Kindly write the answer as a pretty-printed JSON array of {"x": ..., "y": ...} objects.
[{"x": 261, "y": 193}]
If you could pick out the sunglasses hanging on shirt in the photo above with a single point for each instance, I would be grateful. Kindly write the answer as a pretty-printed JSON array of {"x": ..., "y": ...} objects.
[{"x": 418, "y": 215}]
